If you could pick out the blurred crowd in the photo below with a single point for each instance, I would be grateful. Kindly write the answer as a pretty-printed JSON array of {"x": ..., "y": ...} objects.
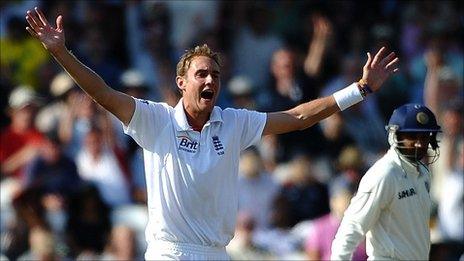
[{"x": 72, "y": 184}]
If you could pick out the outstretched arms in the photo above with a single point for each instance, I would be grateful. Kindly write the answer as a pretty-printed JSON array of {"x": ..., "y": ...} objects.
[
  {"x": 375, "y": 72},
  {"x": 53, "y": 39}
]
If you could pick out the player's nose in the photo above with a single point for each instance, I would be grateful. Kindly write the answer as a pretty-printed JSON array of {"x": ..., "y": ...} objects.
[{"x": 209, "y": 79}]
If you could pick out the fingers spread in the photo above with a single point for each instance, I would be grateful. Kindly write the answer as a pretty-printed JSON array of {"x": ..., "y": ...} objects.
[
  {"x": 41, "y": 16},
  {"x": 387, "y": 59},
  {"x": 378, "y": 56},
  {"x": 32, "y": 32},
  {"x": 369, "y": 60},
  {"x": 393, "y": 65},
  {"x": 32, "y": 21}
]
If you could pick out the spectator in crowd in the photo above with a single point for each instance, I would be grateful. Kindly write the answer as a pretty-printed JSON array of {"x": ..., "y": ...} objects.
[
  {"x": 76, "y": 122},
  {"x": 452, "y": 124},
  {"x": 442, "y": 56},
  {"x": 363, "y": 122},
  {"x": 20, "y": 141},
  {"x": 322, "y": 233},
  {"x": 133, "y": 83},
  {"x": 351, "y": 168},
  {"x": 98, "y": 164},
  {"x": 242, "y": 92},
  {"x": 287, "y": 89},
  {"x": 188, "y": 19},
  {"x": 121, "y": 244},
  {"x": 55, "y": 176},
  {"x": 302, "y": 197},
  {"x": 257, "y": 189},
  {"x": 242, "y": 246},
  {"x": 62, "y": 88},
  {"x": 150, "y": 51},
  {"x": 451, "y": 209},
  {"x": 336, "y": 137},
  {"x": 322, "y": 32},
  {"x": 41, "y": 246},
  {"x": 96, "y": 54},
  {"x": 30, "y": 214},
  {"x": 52, "y": 171},
  {"x": 89, "y": 225},
  {"x": 451, "y": 206},
  {"x": 441, "y": 82},
  {"x": 254, "y": 45}
]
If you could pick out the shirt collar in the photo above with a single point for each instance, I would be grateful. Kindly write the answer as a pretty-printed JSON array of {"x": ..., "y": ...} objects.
[
  {"x": 181, "y": 119},
  {"x": 406, "y": 165}
]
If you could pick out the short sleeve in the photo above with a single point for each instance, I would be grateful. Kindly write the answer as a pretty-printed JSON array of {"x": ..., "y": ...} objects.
[
  {"x": 252, "y": 124},
  {"x": 147, "y": 122}
]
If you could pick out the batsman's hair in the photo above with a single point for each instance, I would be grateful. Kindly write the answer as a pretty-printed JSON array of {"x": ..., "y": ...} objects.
[{"x": 187, "y": 57}]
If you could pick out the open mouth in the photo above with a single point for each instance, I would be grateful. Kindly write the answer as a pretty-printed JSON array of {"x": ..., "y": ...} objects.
[{"x": 207, "y": 94}]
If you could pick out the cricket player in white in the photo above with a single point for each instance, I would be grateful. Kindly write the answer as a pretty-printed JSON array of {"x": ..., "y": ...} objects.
[
  {"x": 191, "y": 151},
  {"x": 392, "y": 205}
]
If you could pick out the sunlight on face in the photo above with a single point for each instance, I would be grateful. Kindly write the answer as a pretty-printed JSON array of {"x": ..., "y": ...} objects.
[{"x": 201, "y": 85}]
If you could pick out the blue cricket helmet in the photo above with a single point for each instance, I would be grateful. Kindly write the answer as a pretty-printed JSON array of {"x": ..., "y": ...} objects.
[{"x": 413, "y": 118}]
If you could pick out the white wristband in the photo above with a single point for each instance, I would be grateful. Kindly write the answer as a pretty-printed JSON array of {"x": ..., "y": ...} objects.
[{"x": 348, "y": 96}]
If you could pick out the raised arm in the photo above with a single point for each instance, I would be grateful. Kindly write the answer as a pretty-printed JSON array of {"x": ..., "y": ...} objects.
[
  {"x": 375, "y": 72},
  {"x": 53, "y": 39},
  {"x": 318, "y": 46}
]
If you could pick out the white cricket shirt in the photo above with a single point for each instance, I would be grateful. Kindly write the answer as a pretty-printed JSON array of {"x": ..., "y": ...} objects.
[
  {"x": 192, "y": 176},
  {"x": 392, "y": 208}
]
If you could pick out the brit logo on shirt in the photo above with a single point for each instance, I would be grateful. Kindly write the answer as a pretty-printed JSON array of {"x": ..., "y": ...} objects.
[
  {"x": 218, "y": 147},
  {"x": 187, "y": 145}
]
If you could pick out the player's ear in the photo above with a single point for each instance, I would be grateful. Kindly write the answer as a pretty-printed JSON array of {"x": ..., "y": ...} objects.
[{"x": 180, "y": 80}]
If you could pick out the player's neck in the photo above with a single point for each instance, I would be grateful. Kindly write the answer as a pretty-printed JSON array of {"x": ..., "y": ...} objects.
[{"x": 196, "y": 119}]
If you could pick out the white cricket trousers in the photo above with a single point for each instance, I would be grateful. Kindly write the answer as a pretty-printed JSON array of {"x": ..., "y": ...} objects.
[{"x": 163, "y": 250}]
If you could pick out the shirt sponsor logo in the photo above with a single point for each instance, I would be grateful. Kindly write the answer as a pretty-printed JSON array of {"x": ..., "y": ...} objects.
[
  {"x": 218, "y": 147},
  {"x": 187, "y": 145},
  {"x": 406, "y": 193}
]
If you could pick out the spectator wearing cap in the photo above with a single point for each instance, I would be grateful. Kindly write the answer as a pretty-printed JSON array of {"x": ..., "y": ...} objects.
[
  {"x": 20, "y": 141},
  {"x": 134, "y": 84},
  {"x": 242, "y": 91},
  {"x": 62, "y": 89},
  {"x": 351, "y": 168}
]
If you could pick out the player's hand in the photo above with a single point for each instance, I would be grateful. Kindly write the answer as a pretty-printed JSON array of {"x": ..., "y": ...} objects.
[
  {"x": 378, "y": 69},
  {"x": 52, "y": 38}
]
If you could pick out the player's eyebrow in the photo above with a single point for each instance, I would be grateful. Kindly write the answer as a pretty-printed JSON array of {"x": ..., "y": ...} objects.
[{"x": 215, "y": 72}]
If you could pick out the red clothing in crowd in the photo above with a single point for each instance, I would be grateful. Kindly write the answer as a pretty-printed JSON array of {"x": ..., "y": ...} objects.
[{"x": 12, "y": 142}]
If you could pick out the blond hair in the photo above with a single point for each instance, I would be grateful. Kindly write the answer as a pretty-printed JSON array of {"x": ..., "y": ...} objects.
[{"x": 187, "y": 57}]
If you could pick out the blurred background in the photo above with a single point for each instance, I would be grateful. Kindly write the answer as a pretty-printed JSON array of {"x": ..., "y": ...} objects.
[{"x": 72, "y": 184}]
